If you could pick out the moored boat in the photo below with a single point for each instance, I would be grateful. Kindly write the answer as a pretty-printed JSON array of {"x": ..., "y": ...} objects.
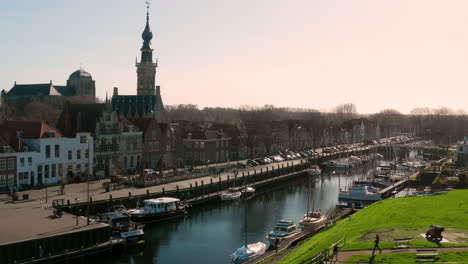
[
  {"x": 121, "y": 225},
  {"x": 158, "y": 209},
  {"x": 313, "y": 220},
  {"x": 284, "y": 229},
  {"x": 246, "y": 253},
  {"x": 314, "y": 170},
  {"x": 230, "y": 194},
  {"x": 247, "y": 191},
  {"x": 361, "y": 193}
]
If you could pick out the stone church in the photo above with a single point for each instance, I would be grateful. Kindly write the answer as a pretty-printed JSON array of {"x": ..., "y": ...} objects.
[
  {"x": 147, "y": 102},
  {"x": 80, "y": 83}
]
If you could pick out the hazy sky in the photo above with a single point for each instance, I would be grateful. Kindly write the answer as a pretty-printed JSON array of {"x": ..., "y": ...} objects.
[{"x": 300, "y": 53}]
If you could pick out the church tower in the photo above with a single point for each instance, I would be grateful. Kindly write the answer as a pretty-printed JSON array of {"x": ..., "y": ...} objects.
[{"x": 146, "y": 68}]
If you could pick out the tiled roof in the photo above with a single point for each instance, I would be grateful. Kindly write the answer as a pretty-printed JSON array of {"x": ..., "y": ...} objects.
[
  {"x": 30, "y": 129},
  {"x": 134, "y": 105},
  {"x": 141, "y": 122},
  {"x": 64, "y": 90},
  {"x": 42, "y": 89}
]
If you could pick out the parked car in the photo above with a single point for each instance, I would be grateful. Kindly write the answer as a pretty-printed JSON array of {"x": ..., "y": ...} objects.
[
  {"x": 148, "y": 171},
  {"x": 267, "y": 159},
  {"x": 260, "y": 161},
  {"x": 252, "y": 163}
]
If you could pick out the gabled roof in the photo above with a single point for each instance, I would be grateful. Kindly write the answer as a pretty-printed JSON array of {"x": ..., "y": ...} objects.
[
  {"x": 64, "y": 90},
  {"x": 29, "y": 129},
  {"x": 141, "y": 122},
  {"x": 41, "y": 89},
  {"x": 126, "y": 125}
]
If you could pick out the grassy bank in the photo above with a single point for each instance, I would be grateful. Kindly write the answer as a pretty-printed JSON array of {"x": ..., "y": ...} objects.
[
  {"x": 394, "y": 218},
  {"x": 407, "y": 257}
]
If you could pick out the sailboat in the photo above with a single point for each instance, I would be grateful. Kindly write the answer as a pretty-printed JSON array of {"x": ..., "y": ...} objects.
[
  {"x": 312, "y": 219},
  {"x": 248, "y": 251}
]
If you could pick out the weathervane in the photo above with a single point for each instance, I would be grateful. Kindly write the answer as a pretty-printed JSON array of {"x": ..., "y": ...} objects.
[{"x": 147, "y": 4}]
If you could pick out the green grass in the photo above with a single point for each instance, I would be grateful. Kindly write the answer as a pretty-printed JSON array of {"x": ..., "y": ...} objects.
[
  {"x": 394, "y": 218},
  {"x": 407, "y": 257}
]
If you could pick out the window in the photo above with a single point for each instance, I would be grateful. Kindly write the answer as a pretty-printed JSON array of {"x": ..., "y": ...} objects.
[
  {"x": 202, "y": 144},
  {"x": 125, "y": 162},
  {"x": 54, "y": 170},
  {"x": 78, "y": 154},
  {"x": 11, "y": 179},
  {"x": 3, "y": 180},
  {"x": 60, "y": 170},
  {"x": 29, "y": 161},
  {"x": 196, "y": 144},
  {"x": 132, "y": 162},
  {"x": 47, "y": 151},
  {"x": 57, "y": 151},
  {"x": 78, "y": 167},
  {"x": 87, "y": 154},
  {"x": 70, "y": 155},
  {"x": 46, "y": 171},
  {"x": 83, "y": 139},
  {"x": 2, "y": 164},
  {"x": 87, "y": 168},
  {"x": 21, "y": 162},
  {"x": 150, "y": 146},
  {"x": 23, "y": 178},
  {"x": 11, "y": 163},
  {"x": 69, "y": 168}
]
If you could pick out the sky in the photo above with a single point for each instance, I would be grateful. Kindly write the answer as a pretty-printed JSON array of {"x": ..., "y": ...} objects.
[{"x": 315, "y": 54}]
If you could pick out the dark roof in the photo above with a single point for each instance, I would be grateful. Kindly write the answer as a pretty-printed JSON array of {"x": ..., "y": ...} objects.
[
  {"x": 30, "y": 129},
  {"x": 79, "y": 118},
  {"x": 41, "y": 89},
  {"x": 134, "y": 105},
  {"x": 80, "y": 75},
  {"x": 141, "y": 122},
  {"x": 64, "y": 90}
]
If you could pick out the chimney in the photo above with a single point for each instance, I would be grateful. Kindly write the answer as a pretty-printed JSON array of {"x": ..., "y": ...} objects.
[
  {"x": 116, "y": 91},
  {"x": 50, "y": 81}
]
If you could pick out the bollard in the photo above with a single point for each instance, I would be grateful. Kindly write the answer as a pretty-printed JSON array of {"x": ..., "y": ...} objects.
[
  {"x": 164, "y": 191},
  {"x": 110, "y": 197},
  {"x": 68, "y": 203},
  {"x": 228, "y": 181},
  {"x": 177, "y": 188},
  {"x": 190, "y": 186},
  {"x": 147, "y": 193},
  {"x": 211, "y": 181},
  {"x": 129, "y": 194}
]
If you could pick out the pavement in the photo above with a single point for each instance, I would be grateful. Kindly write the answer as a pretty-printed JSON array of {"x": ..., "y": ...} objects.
[
  {"x": 44, "y": 197},
  {"x": 343, "y": 256}
]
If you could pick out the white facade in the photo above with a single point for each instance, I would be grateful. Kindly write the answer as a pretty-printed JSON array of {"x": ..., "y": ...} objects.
[{"x": 54, "y": 160}]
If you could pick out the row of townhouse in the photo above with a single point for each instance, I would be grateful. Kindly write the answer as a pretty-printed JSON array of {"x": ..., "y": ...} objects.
[{"x": 36, "y": 153}]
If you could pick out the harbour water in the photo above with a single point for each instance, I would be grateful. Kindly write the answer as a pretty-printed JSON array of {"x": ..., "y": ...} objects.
[{"x": 214, "y": 231}]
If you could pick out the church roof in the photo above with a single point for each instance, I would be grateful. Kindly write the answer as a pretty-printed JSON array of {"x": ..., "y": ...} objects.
[
  {"x": 40, "y": 89},
  {"x": 80, "y": 75},
  {"x": 134, "y": 105},
  {"x": 64, "y": 90}
]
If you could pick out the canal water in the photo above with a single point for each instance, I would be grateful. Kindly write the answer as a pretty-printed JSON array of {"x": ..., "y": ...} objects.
[{"x": 214, "y": 231}]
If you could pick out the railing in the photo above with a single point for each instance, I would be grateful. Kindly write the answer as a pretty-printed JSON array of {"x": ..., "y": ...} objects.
[
  {"x": 69, "y": 254},
  {"x": 326, "y": 254}
]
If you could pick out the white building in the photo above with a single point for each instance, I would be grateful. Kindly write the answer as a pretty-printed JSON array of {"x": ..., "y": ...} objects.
[{"x": 43, "y": 155}]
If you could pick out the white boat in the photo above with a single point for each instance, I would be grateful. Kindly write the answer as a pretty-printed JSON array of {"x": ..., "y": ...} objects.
[
  {"x": 122, "y": 226},
  {"x": 158, "y": 209},
  {"x": 361, "y": 193},
  {"x": 284, "y": 229},
  {"x": 314, "y": 171},
  {"x": 337, "y": 165},
  {"x": 246, "y": 253},
  {"x": 248, "y": 191},
  {"x": 313, "y": 220},
  {"x": 230, "y": 194}
]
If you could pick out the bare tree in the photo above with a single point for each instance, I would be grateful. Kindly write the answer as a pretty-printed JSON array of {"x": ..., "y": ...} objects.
[{"x": 346, "y": 111}]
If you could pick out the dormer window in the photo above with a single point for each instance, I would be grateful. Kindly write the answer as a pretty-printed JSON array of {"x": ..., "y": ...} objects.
[{"x": 51, "y": 134}]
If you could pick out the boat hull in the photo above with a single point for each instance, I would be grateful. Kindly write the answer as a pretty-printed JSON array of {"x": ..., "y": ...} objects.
[
  {"x": 155, "y": 217},
  {"x": 272, "y": 239},
  {"x": 359, "y": 197},
  {"x": 253, "y": 251}
]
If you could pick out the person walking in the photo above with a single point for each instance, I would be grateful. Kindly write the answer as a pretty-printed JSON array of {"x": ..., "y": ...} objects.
[
  {"x": 335, "y": 252},
  {"x": 376, "y": 244}
]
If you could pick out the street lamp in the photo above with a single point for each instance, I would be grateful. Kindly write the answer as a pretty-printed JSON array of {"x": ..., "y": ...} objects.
[
  {"x": 46, "y": 191},
  {"x": 76, "y": 203}
]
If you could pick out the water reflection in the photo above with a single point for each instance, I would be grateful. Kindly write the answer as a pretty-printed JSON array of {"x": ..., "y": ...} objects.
[{"x": 212, "y": 232}]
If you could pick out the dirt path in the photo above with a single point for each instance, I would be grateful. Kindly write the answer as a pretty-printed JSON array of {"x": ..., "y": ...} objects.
[{"x": 343, "y": 256}]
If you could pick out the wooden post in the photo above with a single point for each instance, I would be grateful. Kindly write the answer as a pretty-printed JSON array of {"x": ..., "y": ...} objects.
[
  {"x": 164, "y": 191},
  {"x": 228, "y": 181},
  {"x": 129, "y": 194},
  {"x": 147, "y": 193},
  {"x": 110, "y": 197}
]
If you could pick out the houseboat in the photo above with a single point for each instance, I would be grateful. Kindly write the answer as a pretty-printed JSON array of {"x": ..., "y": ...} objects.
[{"x": 158, "y": 209}]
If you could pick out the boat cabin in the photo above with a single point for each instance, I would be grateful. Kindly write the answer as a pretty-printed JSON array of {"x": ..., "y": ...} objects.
[
  {"x": 285, "y": 226},
  {"x": 161, "y": 205}
]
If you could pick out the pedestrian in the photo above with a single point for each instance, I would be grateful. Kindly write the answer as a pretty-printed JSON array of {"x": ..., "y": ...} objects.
[
  {"x": 335, "y": 251},
  {"x": 376, "y": 244}
]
